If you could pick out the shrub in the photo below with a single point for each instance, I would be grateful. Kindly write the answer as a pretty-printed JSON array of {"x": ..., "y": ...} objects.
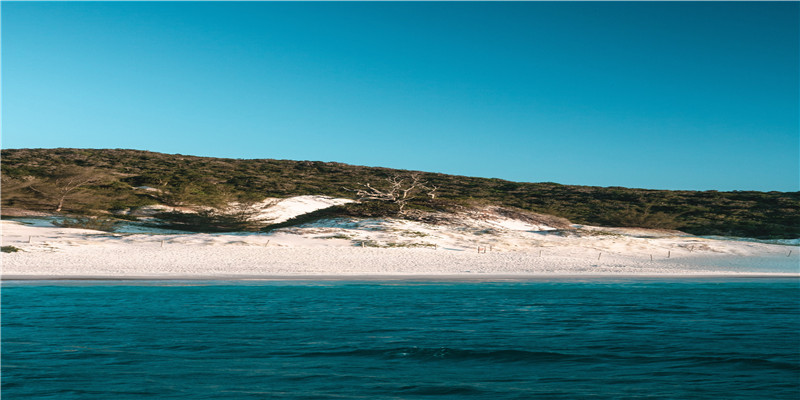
[
  {"x": 203, "y": 221},
  {"x": 105, "y": 224},
  {"x": 9, "y": 249},
  {"x": 641, "y": 218}
]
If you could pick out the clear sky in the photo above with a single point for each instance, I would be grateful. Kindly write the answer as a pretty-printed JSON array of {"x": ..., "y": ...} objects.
[{"x": 679, "y": 95}]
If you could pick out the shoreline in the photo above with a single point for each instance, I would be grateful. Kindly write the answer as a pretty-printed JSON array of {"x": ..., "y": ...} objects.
[
  {"x": 400, "y": 277},
  {"x": 52, "y": 253}
]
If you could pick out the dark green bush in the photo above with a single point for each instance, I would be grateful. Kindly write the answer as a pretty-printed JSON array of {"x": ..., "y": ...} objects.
[
  {"x": 89, "y": 222},
  {"x": 203, "y": 221}
]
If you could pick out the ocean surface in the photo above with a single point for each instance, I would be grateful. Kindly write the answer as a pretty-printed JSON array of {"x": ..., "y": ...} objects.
[{"x": 626, "y": 339}]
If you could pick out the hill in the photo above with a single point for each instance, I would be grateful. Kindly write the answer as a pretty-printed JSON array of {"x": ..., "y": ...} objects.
[{"x": 98, "y": 181}]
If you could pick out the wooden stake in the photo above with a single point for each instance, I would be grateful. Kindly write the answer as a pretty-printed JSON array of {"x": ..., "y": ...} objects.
[
  {"x": 651, "y": 257},
  {"x": 162, "y": 243},
  {"x": 540, "y": 253},
  {"x": 29, "y": 239},
  {"x": 790, "y": 252},
  {"x": 598, "y": 256},
  {"x": 669, "y": 253}
]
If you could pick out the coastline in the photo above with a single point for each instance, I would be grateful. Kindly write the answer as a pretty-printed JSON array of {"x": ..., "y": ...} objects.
[
  {"x": 464, "y": 278},
  {"x": 51, "y": 253}
]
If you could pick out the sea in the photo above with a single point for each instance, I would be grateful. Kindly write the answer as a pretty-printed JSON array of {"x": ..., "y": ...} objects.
[{"x": 721, "y": 338}]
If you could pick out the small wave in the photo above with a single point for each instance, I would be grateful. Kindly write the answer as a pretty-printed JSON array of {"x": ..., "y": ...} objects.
[
  {"x": 441, "y": 390},
  {"x": 743, "y": 361},
  {"x": 446, "y": 353}
]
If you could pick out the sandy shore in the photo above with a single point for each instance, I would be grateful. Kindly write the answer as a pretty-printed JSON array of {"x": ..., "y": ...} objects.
[{"x": 316, "y": 253}]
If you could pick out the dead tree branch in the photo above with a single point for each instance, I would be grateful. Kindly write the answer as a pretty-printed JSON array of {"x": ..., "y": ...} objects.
[
  {"x": 67, "y": 184},
  {"x": 399, "y": 190}
]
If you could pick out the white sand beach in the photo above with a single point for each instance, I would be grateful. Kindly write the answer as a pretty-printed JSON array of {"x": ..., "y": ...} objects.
[{"x": 476, "y": 246}]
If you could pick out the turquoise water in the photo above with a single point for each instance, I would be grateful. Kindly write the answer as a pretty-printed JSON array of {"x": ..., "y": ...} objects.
[{"x": 402, "y": 340}]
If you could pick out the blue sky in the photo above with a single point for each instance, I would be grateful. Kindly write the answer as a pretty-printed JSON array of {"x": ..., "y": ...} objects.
[{"x": 683, "y": 95}]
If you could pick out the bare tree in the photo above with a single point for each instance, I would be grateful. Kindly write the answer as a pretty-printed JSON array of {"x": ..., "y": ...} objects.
[
  {"x": 66, "y": 184},
  {"x": 400, "y": 190}
]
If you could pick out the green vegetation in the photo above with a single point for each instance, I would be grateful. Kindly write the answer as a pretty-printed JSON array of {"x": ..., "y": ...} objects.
[
  {"x": 337, "y": 236},
  {"x": 205, "y": 221},
  {"x": 100, "y": 223},
  {"x": 38, "y": 180},
  {"x": 9, "y": 249}
]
